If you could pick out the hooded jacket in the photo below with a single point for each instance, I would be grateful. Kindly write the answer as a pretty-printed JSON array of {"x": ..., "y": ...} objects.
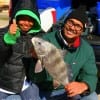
[{"x": 14, "y": 49}]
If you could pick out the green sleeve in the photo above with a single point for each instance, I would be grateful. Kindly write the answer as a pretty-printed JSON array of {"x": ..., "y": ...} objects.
[
  {"x": 89, "y": 74},
  {"x": 11, "y": 39}
]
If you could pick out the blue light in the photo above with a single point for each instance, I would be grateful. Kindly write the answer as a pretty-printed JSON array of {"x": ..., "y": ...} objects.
[
  {"x": 98, "y": 14},
  {"x": 98, "y": 9},
  {"x": 42, "y": 4}
]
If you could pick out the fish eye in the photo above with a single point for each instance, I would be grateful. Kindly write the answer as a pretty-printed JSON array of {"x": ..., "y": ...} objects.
[{"x": 39, "y": 43}]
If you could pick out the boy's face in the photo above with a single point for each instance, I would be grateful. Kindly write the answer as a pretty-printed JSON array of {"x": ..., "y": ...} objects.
[{"x": 25, "y": 23}]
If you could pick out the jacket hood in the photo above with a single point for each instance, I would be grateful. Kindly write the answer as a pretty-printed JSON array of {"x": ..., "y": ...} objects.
[{"x": 29, "y": 8}]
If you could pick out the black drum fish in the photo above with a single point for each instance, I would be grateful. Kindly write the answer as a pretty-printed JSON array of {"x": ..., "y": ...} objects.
[{"x": 52, "y": 60}]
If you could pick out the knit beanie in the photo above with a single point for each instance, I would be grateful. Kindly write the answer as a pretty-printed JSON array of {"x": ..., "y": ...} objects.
[{"x": 79, "y": 14}]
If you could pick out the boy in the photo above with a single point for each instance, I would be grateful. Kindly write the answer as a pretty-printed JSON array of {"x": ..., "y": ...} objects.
[{"x": 15, "y": 47}]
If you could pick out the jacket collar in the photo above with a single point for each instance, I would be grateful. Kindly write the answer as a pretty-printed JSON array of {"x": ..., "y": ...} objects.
[{"x": 64, "y": 43}]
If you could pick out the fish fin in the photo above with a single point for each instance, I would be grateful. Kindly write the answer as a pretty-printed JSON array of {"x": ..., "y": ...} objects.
[
  {"x": 38, "y": 67},
  {"x": 70, "y": 73},
  {"x": 56, "y": 84}
]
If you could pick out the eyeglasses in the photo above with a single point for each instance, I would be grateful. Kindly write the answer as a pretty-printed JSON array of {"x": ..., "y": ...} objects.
[{"x": 77, "y": 27}]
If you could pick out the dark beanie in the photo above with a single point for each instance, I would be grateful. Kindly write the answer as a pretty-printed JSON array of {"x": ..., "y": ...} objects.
[{"x": 79, "y": 14}]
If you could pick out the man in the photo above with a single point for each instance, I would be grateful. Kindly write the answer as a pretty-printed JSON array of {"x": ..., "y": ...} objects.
[
  {"x": 80, "y": 57},
  {"x": 15, "y": 47}
]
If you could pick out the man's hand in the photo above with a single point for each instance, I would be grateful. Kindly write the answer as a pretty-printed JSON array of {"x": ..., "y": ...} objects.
[
  {"x": 13, "y": 27},
  {"x": 76, "y": 88}
]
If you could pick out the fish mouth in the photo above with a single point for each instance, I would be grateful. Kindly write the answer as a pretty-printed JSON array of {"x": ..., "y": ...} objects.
[{"x": 41, "y": 57}]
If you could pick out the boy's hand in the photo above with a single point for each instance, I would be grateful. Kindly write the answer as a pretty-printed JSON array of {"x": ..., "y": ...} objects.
[{"x": 13, "y": 27}]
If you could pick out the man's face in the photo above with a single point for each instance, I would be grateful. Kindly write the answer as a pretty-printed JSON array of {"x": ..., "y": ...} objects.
[
  {"x": 25, "y": 23},
  {"x": 72, "y": 28}
]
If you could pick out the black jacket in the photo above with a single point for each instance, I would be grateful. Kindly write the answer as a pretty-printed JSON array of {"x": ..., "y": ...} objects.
[
  {"x": 12, "y": 68},
  {"x": 14, "y": 57}
]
